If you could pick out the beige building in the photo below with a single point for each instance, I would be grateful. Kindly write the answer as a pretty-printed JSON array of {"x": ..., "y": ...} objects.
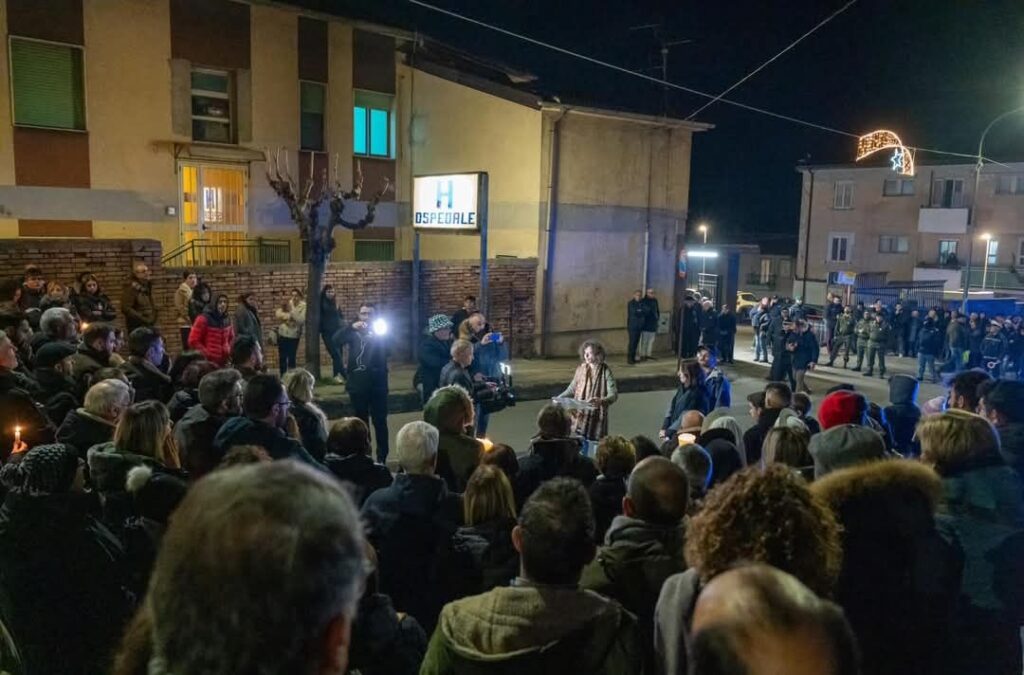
[
  {"x": 150, "y": 118},
  {"x": 871, "y": 222}
]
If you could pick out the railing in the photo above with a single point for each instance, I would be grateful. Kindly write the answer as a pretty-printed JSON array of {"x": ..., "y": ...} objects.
[
  {"x": 1000, "y": 278},
  {"x": 755, "y": 279},
  {"x": 206, "y": 253},
  {"x": 951, "y": 264}
]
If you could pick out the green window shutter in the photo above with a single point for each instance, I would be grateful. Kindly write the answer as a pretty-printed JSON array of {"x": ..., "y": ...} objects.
[
  {"x": 48, "y": 85},
  {"x": 311, "y": 103}
]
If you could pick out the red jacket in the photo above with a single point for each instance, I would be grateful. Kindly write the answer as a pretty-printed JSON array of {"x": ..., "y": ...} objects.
[{"x": 212, "y": 337}]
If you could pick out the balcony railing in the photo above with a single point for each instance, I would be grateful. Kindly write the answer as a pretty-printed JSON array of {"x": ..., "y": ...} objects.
[
  {"x": 755, "y": 279},
  {"x": 948, "y": 264},
  {"x": 206, "y": 253},
  {"x": 999, "y": 278}
]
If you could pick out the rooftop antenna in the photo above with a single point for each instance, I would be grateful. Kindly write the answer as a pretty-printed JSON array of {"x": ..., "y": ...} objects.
[{"x": 665, "y": 44}]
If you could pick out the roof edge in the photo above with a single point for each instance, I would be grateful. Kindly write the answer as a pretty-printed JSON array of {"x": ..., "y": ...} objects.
[{"x": 608, "y": 113}]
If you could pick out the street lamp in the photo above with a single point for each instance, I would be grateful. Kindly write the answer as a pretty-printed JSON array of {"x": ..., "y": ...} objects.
[
  {"x": 984, "y": 270},
  {"x": 972, "y": 214},
  {"x": 703, "y": 229}
]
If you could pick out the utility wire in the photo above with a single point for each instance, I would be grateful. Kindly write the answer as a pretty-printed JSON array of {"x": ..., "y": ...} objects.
[
  {"x": 769, "y": 61},
  {"x": 663, "y": 82}
]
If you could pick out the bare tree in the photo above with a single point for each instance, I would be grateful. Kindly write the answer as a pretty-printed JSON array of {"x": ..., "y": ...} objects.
[{"x": 304, "y": 207}]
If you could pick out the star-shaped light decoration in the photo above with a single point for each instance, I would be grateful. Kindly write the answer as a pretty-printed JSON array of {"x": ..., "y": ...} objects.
[
  {"x": 902, "y": 158},
  {"x": 897, "y": 160}
]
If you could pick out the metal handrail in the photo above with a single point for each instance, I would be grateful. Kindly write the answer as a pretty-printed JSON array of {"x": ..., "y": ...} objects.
[{"x": 207, "y": 253}]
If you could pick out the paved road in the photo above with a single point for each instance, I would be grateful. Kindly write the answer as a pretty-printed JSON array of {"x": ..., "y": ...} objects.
[{"x": 642, "y": 413}]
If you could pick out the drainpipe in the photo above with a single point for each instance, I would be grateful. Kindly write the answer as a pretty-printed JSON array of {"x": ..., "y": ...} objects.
[
  {"x": 647, "y": 222},
  {"x": 547, "y": 288},
  {"x": 807, "y": 236}
]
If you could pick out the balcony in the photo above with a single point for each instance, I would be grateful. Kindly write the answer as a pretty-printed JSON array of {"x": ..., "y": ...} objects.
[
  {"x": 756, "y": 280},
  {"x": 942, "y": 221},
  {"x": 1002, "y": 278}
]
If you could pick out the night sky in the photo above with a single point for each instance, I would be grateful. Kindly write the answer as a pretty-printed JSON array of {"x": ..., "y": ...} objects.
[{"x": 934, "y": 71}]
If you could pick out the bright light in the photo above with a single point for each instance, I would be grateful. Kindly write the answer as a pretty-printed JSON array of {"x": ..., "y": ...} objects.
[
  {"x": 700, "y": 253},
  {"x": 702, "y": 228},
  {"x": 380, "y": 327},
  {"x": 986, "y": 236},
  {"x": 882, "y": 139},
  {"x": 506, "y": 369}
]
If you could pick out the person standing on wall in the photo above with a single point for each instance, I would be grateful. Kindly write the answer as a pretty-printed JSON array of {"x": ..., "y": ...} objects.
[
  {"x": 634, "y": 324},
  {"x": 330, "y": 323},
  {"x": 468, "y": 308},
  {"x": 292, "y": 314},
  {"x": 182, "y": 296},
  {"x": 137, "y": 299},
  {"x": 651, "y": 317},
  {"x": 367, "y": 344}
]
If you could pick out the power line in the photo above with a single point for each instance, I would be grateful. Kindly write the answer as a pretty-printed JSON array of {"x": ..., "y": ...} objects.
[
  {"x": 664, "y": 82},
  {"x": 769, "y": 61}
]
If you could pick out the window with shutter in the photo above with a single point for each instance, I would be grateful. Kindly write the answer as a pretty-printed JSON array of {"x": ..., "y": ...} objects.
[
  {"x": 312, "y": 97},
  {"x": 47, "y": 83}
]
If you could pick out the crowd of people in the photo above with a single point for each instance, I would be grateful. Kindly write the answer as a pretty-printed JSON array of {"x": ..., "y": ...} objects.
[{"x": 192, "y": 515}]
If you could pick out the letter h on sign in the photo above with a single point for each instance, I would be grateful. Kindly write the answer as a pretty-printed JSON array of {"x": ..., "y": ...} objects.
[{"x": 445, "y": 193}]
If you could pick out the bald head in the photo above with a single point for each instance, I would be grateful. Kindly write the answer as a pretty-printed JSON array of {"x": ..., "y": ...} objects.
[
  {"x": 692, "y": 419},
  {"x": 758, "y": 620},
  {"x": 658, "y": 492}
]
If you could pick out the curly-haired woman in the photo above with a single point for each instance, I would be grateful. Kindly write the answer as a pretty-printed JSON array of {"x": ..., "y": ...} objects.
[
  {"x": 768, "y": 517},
  {"x": 593, "y": 384}
]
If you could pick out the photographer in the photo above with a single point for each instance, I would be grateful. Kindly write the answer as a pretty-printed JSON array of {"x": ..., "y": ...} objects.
[
  {"x": 367, "y": 343},
  {"x": 457, "y": 372},
  {"x": 489, "y": 352}
]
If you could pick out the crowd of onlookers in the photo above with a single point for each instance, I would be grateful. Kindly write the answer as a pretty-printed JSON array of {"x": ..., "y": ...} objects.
[{"x": 196, "y": 515}]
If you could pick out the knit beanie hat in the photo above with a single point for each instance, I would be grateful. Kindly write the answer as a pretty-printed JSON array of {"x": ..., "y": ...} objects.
[
  {"x": 843, "y": 446},
  {"x": 47, "y": 469},
  {"x": 841, "y": 407},
  {"x": 438, "y": 322}
]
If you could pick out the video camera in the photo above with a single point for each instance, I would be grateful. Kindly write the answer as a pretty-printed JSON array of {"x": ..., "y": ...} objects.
[{"x": 503, "y": 395}]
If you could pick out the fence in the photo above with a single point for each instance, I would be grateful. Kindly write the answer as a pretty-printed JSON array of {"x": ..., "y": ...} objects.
[
  {"x": 206, "y": 253},
  {"x": 919, "y": 294}
]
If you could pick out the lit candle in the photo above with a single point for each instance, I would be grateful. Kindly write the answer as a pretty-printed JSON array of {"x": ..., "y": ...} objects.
[
  {"x": 686, "y": 439},
  {"x": 488, "y": 445}
]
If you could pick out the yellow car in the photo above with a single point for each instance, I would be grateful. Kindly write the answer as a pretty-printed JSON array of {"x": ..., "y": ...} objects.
[{"x": 745, "y": 301}]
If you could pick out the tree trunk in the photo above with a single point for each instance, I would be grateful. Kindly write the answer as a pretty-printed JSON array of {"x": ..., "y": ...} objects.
[{"x": 316, "y": 267}]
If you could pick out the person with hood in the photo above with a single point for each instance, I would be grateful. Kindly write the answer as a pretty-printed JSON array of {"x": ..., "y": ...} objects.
[
  {"x": 902, "y": 415},
  {"x": 265, "y": 405},
  {"x": 692, "y": 394},
  {"x": 142, "y": 438},
  {"x": 410, "y": 523},
  {"x": 544, "y": 622},
  {"x": 982, "y": 507},
  {"x": 482, "y": 555},
  {"x": 450, "y": 411},
  {"x": 182, "y": 298},
  {"x": 615, "y": 459},
  {"x": 246, "y": 320},
  {"x": 899, "y": 575},
  {"x": 757, "y": 516},
  {"x": 91, "y": 303},
  {"x": 292, "y": 315},
  {"x": 553, "y": 451},
  {"x": 140, "y": 311},
  {"x": 726, "y": 458},
  {"x": 878, "y": 339},
  {"x": 928, "y": 346},
  {"x": 384, "y": 642},
  {"x": 593, "y": 384},
  {"x": 57, "y": 392},
  {"x": 331, "y": 323},
  {"x": 644, "y": 545},
  {"x": 94, "y": 423},
  {"x": 220, "y": 399},
  {"x": 768, "y": 405},
  {"x": 146, "y": 355},
  {"x": 1002, "y": 404},
  {"x": 60, "y": 568},
  {"x": 726, "y": 334},
  {"x": 349, "y": 458},
  {"x": 212, "y": 333},
  {"x": 718, "y": 386},
  {"x": 434, "y": 355}
]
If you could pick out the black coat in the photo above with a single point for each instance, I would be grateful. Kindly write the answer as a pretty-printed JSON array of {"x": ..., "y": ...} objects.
[
  {"x": 92, "y": 308},
  {"x": 903, "y": 415},
  {"x": 57, "y": 393},
  {"x": 278, "y": 444},
  {"x": 434, "y": 355},
  {"x": 635, "y": 315},
  {"x": 929, "y": 338},
  {"x": 753, "y": 438},
  {"x": 360, "y": 473},
  {"x": 194, "y": 434},
  {"x": 331, "y": 317},
  {"x": 685, "y": 398},
  {"x": 651, "y": 314},
  {"x": 384, "y": 643},
  {"x": 312, "y": 430},
  {"x": 410, "y": 524},
  {"x": 17, "y": 408},
  {"x": 606, "y": 495},
  {"x": 149, "y": 383},
  {"x": 726, "y": 324},
  {"x": 549, "y": 458},
  {"x": 806, "y": 351},
  {"x": 81, "y": 430},
  {"x": 482, "y": 558},
  {"x": 182, "y": 401},
  {"x": 709, "y": 327},
  {"x": 61, "y": 570},
  {"x": 367, "y": 359}
]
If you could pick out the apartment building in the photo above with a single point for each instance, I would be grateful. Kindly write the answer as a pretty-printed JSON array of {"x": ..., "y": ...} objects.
[{"x": 869, "y": 222}]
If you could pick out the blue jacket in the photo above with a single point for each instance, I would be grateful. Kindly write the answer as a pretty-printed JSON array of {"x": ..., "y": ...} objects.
[
  {"x": 278, "y": 444},
  {"x": 719, "y": 390}
]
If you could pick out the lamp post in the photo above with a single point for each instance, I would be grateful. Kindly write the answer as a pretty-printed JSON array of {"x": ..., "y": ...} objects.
[
  {"x": 972, "y": 220},
  {"x": 984, "y": 270},
  {"x": 703, "y": 229}
]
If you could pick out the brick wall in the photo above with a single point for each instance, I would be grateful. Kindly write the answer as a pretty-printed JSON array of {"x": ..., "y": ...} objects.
[{"x": 442, "y": 286}]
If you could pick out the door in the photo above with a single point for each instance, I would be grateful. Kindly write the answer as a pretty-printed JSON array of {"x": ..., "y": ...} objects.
[{"x": 213, "y": 211}]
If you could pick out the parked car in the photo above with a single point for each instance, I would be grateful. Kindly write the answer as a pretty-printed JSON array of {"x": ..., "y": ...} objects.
[{"x": 745, "y": 301}]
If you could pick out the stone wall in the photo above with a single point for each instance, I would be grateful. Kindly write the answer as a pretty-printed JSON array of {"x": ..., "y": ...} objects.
[{"x": 443, "y": 285}]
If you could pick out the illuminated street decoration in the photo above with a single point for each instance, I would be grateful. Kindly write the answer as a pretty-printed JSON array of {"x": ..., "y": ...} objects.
[{"x": 902, "y": 158}]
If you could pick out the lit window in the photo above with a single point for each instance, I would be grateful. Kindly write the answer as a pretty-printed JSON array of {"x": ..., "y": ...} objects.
[
  {"x": 48, "y": 84},
  {"x": 371, "y": 125}
]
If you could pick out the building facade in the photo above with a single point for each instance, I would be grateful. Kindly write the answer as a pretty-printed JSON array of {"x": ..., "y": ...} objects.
[
  {"x": 869, "y": 222},
  {"x": 149, "y": 119}
]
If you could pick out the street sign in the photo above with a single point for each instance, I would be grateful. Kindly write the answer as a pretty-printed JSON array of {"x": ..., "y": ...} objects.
[{"x": 450, "y": 203}]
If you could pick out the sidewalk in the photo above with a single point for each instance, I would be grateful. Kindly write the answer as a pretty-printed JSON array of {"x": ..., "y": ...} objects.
[{"x": 533, "y": 378}]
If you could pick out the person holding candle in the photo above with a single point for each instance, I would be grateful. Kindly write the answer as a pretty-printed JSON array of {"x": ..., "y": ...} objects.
[
  {"x": 17, "y": 409},
  {"x": 593, "y": 384},
  {"x": 691, "y": 395}
]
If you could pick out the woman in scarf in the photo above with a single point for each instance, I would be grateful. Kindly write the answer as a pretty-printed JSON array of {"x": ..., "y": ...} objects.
[{"x": 594, "y": 385}]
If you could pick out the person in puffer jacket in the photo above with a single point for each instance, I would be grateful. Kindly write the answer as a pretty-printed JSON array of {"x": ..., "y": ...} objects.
[
  {"x": 212, "y": 333},
  {"x": 902, "y": 415}
]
